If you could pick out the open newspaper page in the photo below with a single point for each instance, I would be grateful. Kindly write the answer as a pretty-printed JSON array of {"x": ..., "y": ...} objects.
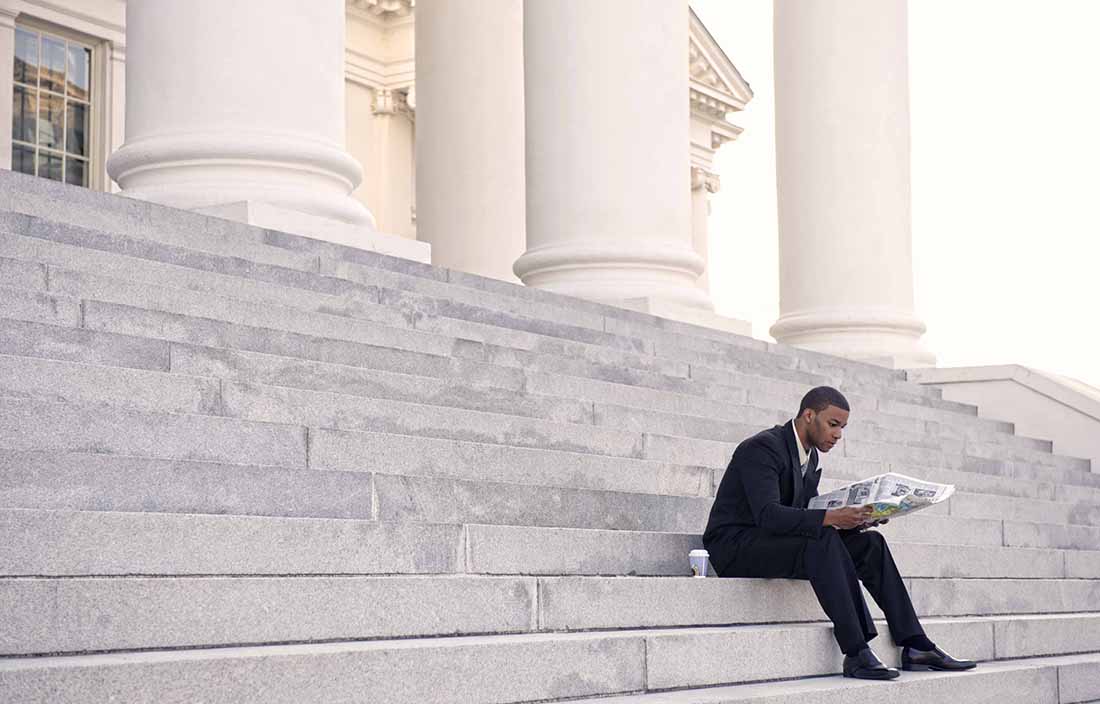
[{"x": 889, "y": 495}]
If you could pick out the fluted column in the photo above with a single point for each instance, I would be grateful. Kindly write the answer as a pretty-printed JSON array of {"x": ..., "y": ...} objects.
[
  {"x": 238, "y": 101},
  {"x": 608, "y": 174},
  {"x": 469, "y": 133},
  {"x": 842, "y": 163}
]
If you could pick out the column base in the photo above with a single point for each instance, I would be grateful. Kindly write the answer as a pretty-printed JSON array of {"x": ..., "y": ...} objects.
[
  {"x": 297, "y": 223},
  {"x": 688, "y": 314},
  {"x": 886, "y": 338}
]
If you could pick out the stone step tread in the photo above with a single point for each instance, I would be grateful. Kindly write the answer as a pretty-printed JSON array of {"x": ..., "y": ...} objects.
[
  {"x": 751, "y": 344},
  {"x": 64, "y": 542},
  {"x": 527, "y": 667},
  {"x": 240, "y": 399},
  {"x": 37, "y": 425},
  {"x": 198, "y": 384},
  {"x": 35, "y": 202},
  {"x": 554, "y": 388},
  {"x": 160, "y": 325},
  {"x": 1056, "y": 679}
]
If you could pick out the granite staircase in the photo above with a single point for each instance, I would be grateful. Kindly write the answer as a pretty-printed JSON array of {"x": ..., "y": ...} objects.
[{"x": 242, "y": 466}]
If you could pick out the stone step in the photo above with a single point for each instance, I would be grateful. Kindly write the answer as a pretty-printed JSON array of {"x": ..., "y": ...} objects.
[
  {"x": 283, "y": 413},
  {"x": 593, "y": 603},
  {"x": 36, "y": 210},
  {"x": 564, "y": 551},
  {"x": 1052, "y": 680},
  {"x": 75, "y": 543},
  {"x": 61, "y": 236},
  {"x": 529, "y": 667},
  {"x": 115, "y": 290},
  {"x": 440, "y": 387},
  {"x": 91, "y": 384},
  {"x": 42, "y": 426}
]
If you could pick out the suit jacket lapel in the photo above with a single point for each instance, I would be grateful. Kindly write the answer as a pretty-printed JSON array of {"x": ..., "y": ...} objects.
[{"x": 793, "y": 466}]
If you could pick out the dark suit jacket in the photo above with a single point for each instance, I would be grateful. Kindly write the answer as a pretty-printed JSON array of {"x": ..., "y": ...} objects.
[{"x": 763, "y": 487}]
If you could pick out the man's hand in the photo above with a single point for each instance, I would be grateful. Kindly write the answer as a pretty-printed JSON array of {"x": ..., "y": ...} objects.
[{"x": 848, "y": 518}]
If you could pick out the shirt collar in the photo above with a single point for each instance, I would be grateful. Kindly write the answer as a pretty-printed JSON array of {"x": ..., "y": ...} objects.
[{"x": 802, "y": 454}]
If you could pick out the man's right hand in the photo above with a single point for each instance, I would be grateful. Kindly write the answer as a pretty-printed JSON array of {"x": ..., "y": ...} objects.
[{"x": 848, "y": 518}]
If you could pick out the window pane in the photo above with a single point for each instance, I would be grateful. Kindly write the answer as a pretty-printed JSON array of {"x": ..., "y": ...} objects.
[
  {"x": 79, "y": 61},
  {"x": 49, "y": 166},
  {"x": 76, "y": 172},
  {"x": 26, "y": 56},
  {"x": 51, "y": 120},
  {"x": 53, "y": 64},
  {"x": 76, "y": 130},
  {"x": 23, "y": 110},
  {"x": 22, "y": 159}
]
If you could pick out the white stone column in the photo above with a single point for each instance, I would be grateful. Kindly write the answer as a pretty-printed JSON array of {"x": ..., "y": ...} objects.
[
  {"x": 116, "y": 105},
  {"x": 469, "y": 133},
  {"x": 842, "y": 164},
  {"x": 237, "y": 109},
  {"x": 7, "y": 81},
  {"x": 703, "y": 184},
  {"x": 608, "y": 175}
]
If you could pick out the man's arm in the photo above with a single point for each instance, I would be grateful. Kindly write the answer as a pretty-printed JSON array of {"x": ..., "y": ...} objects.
[{"x": 760, "y": 468}]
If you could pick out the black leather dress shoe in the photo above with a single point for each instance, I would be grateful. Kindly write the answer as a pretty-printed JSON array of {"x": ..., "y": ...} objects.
[
  {"x": 913, "y": 659},
  {"x": 865, "y": 665}
]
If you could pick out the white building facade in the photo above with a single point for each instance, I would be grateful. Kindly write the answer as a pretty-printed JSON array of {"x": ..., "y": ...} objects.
[{"x": 568, "y": 144}]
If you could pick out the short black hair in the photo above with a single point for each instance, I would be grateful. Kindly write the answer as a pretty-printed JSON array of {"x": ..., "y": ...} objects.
[{"x": 819, "y": 398}]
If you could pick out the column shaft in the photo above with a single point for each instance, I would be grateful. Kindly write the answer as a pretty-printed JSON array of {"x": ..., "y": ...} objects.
[
  {"x": 238, "y": 101},
  {"x": 469, "y": 133},
  {"x": 842, "y": 163},
  {"x": 608, "y": 191}
]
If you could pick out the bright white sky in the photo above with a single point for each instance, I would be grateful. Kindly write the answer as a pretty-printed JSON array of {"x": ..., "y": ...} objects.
[{"x": 1005, "y": 117}]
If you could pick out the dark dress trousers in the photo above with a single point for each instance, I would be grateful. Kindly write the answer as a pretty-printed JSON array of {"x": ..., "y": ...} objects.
[{"x": 759, "y": 526}]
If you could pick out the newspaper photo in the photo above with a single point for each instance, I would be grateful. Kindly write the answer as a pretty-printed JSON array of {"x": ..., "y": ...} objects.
[{"x": 889, "y": 495}]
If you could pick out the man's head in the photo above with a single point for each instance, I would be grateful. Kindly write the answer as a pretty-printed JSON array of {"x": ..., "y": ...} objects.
[{"x": 821, "y": 417}]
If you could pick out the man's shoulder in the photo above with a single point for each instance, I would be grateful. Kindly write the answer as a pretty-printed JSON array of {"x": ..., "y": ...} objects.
[{"x": 770, "y": 440}]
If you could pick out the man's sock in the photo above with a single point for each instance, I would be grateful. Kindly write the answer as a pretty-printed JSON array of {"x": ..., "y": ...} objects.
[
  {"x": 920, "y": 642},
  {"x": 854, "y": 652}
]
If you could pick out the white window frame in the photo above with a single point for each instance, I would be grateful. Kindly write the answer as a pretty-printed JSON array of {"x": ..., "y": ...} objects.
[{"x": 99, "y": 95}]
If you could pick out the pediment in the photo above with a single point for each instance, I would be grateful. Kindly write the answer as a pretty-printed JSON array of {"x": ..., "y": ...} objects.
[{"x": 716, "y": 84}]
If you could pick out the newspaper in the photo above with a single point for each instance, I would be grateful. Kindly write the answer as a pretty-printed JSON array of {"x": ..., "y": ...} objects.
[{"x": 889, "y": 495}]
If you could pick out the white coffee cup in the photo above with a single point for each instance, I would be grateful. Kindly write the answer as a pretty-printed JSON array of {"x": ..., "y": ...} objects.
[{"x": 698, "y": 560}]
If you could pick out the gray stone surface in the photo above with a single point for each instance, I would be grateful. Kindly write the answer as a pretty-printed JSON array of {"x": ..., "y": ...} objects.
[
  {"x": 507, "y": 549},
  {"x": 342, "y": 412},
  {"x": 36, "y": 425},
  {"x": 1030, "y": 636},
  {"x": 1079, "y": 679},
  {"x": 102, "y": 482},
  {"x": 128, "y": 320},
  {"x": 43, "y": 341},
  {"x": 35, "y": 307},
  {"x": 1083, "y": 564},
  {"x": 1049, "y": 535},
  {"x": 74, "y": 543},
  {"x": 585, "y": 603},
  {"x": 478, "y": 670},
  {"x": 714, "y": 656},
  {"x": 368, "y": 452},
  {"x": 437, "y": 500},
  {"x": 46, "y": 615},
  {"x": 455, "y": 391},
  {"x": 962, "y": 597},
  {"x": 196, "y": 272},
  {"x": 28, "y": 276},
  {"x": 97, "y": 385},
  {"x": 996, "y": 683},
  {"x": 950, "y": 561}
]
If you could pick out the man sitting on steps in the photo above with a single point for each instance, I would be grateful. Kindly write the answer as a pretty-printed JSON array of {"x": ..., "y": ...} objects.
[{"x": 760, "y": 527}]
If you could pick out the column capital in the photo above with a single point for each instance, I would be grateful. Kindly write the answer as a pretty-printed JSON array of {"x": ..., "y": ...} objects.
[
  {"x": 388, "y": 101},
  {"x": 702, "y": 178}
]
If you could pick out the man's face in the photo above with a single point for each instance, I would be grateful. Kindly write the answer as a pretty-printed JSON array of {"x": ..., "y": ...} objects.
[{"x": 826, "y": 427}]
